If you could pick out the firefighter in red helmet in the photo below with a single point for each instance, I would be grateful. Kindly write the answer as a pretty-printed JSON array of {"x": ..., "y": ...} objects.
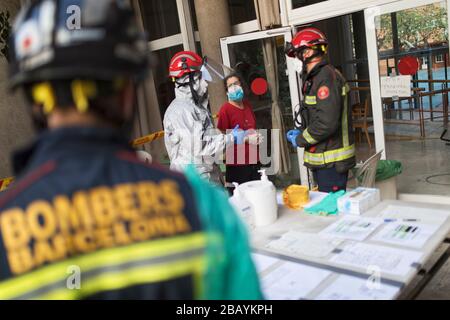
[
  {"x": 190, "y": 135},
  {"x": 323, "y": 123}
]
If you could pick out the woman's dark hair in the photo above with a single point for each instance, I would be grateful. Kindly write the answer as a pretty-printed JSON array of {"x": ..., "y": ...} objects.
[{"x": 232, "y": 75}]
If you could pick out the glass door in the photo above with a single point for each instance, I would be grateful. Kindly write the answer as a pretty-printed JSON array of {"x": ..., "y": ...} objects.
[
  {"x": 408, "y": 55},
  {"x": 260, "y": 56}
]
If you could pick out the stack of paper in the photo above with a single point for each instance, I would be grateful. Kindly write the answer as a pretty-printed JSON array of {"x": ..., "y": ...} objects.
[
  {"x": 352, "y": 288},
  {"x": 292, "y": 281},
  {"x": 263, "y": 262},
  {"x": 307, "y": 244},
  {"x": 372, "y": 257},
  {"x": 409, "y": 234},
  {"x": 352, "y": 227}
]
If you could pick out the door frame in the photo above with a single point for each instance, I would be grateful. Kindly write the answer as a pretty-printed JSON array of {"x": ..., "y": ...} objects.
[
  {"x": 371, "y": 9},
  {"x": 292, "y": 75},
  {"x": 370, "y": 15}
]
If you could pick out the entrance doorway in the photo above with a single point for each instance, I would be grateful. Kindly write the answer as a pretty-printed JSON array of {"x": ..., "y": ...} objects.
[{"x": 409, "y": 39}]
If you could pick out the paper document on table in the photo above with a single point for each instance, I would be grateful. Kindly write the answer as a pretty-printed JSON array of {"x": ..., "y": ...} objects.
[
  {"x": 262, "y": 262},
  {"x": 292, "y": 281},
  {"x": 410, "y": 234},
  {"x": 352, "y": 227},
  {"x": 352, "y": 288},
  {"x": 308, "y": 244},
  {"x": 431, "y": 216},
  {"x": 385, "y": 259}
]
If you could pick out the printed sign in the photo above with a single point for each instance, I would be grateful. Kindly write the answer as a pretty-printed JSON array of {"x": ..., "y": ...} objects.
[{"x": 398, "y": 86}]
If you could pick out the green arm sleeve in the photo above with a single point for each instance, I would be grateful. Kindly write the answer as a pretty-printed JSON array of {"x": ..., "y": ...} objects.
[{"x": 231, "y": 274}]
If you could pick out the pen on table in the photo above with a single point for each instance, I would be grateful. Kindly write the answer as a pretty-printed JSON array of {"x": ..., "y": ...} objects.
[{"x": 405, "y": 220}]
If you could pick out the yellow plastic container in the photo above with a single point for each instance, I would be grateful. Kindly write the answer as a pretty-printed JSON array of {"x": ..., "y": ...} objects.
[{"x": 295, "y": 196}]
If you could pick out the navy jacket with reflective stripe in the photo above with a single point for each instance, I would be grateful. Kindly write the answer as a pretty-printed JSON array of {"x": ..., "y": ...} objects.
[{"x": 99, "y": 169}]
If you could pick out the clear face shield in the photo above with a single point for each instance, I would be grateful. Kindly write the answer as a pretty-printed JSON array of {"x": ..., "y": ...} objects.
[{"x": 213, "y": 71}]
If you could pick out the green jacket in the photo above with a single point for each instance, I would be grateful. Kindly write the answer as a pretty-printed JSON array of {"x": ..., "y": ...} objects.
[
  {"x": 231, "y": 274},
  {"x": 327, "y": 132}
]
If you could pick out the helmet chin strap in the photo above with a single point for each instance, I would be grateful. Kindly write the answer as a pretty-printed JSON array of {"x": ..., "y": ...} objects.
[
  {"x": 194, "y": 93},
  {"x": 198, "y": 100},
  {"x": 313, "y": 57}
]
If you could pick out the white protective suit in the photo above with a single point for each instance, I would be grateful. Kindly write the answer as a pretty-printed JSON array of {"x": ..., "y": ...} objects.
[{"x": 190, "y": 136}]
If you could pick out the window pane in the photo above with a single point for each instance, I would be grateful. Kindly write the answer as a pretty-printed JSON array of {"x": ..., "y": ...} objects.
[
  {"x": 198, "y": 48},
  {"x": 414, "y": 42},
  {"x": 241, "y": 11},
  {"x": 193, "y": 15},
  {"x": 164, "y": 85},
  {"x": 303, "y": 3},
  {"x": 160, "y": 18}
]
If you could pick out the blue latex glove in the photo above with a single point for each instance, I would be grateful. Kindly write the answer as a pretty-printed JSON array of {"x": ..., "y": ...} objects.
[
  {"x": 292, "y": 137},
  {"x": 238, "y": 135}
]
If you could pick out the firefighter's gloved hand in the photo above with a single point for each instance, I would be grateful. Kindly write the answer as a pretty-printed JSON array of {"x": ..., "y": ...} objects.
[
  {"x": 239, "y": 135},
  {"x": 292, "y": 137}
]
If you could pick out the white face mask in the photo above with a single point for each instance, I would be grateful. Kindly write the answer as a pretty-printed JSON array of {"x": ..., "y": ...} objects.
[{"x": 298, "y": 65}]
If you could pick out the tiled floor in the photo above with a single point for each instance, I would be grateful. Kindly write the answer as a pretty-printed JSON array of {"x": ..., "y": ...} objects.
[{"x": 426, "y": 162}]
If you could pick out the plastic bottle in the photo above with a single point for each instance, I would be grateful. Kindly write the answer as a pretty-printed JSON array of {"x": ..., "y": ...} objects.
[
  {"x": 262, "y": 196},
  {"x": 242, "y": 206}
]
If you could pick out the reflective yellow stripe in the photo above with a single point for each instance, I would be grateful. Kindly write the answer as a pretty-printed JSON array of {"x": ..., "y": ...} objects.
[
  {"x": 345, "y": 140},
  {"x": 330, "y": 156},
  {"x": 339, "y": 154},
  {"x": 345, "y": 89},
  {"x": 4, "y": 183},
  {"x": 310, "y": 100},
  {"x": 308, "y": 137},
  {"x": 135, "y": 276},
  {"x": 313, "y": 158},
  {"x": 48, "y": 275}
]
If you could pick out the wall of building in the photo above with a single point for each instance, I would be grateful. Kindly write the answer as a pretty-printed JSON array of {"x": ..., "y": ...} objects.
[{"x": 15, "y": 125}]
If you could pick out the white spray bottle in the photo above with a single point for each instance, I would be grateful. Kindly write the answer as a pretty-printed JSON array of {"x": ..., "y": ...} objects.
[{"x": 242, "y": 206}]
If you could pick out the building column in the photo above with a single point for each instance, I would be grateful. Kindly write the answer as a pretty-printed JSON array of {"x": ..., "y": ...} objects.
[
  {"x": 15, "y": 124},
  {"x": 213, "y": 19}
]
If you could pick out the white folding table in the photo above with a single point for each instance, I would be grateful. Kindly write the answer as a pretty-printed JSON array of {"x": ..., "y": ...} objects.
[{"x": 298, "y": 220}]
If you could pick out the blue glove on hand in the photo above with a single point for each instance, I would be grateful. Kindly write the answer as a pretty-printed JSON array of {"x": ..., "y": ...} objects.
[
  {"x": 238, "y": 135},
  {"x": 292, "y": 137}
]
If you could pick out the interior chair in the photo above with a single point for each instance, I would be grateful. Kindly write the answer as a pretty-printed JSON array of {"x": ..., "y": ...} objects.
[
  {"x": 365, "y": 173},
  {"x": 362, "y": 120}
]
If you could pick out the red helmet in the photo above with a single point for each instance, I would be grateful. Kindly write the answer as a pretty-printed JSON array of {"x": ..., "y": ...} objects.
[
  {"x": 184, "y": 62},
  {"x": 306, "y": 38}
]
